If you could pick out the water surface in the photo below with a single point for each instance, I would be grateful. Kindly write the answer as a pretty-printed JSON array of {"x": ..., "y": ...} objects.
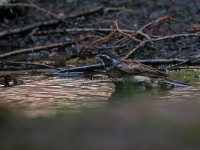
[{"x": 46, "y": 96}]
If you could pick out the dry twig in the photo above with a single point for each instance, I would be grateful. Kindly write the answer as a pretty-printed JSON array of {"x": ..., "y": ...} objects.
[
  {"x": 83, "y": 30},
  {"x": 48, "y": 12},
  {"x": 141, "y": 30},
  {"x": 28, "y": 64},
  {"x": 40, "y": 48},
  {"x": 125, "y": 34},
  {"x": 159, "y": 39},
  {"x": 187, "y": 62},
  {"x": 28, "y": 28},
  {"x": 161, "y": 61},
  {"x": 104, "y": 38},
  {"x": 184, "y": 67}
]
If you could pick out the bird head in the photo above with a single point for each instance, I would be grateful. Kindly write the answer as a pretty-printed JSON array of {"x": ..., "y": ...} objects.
[{"x": 106, "y": 60}]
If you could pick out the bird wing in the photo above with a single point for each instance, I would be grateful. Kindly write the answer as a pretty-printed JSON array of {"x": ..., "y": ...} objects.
[
  {"x": 136, "y": 68},
  {"x": 130, "y": 67}
]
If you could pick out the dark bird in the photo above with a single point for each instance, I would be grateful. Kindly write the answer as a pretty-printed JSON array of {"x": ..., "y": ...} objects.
[{"x": 116, "y": 66}]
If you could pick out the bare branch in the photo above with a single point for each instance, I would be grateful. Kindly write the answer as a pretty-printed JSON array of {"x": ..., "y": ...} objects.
[
  {"x": 33, "y": 6},
  {"x": 125, "y": 34},
  {"x": 159, "y": 39},
  {"x": 40, "y": 48},
  {"x": 46, "y": 23},
  {"x": 83, "y": 30},
  {"x": 141, "y": 30}
]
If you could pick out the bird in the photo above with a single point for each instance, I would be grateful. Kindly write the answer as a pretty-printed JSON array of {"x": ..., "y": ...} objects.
[
  {"x": 116, "y": 66},
  {"x": 136, "y": 71}
]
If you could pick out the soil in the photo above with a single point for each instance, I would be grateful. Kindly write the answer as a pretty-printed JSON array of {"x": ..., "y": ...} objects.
[
  {"x": 132, "y": 15},
  {"x": 62, "y": 31}
]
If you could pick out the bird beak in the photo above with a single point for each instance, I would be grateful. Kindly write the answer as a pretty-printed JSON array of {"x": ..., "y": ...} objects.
[{"x": 101, "y": 61}]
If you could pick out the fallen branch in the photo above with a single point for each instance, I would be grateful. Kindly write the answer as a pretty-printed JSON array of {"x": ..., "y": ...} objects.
[
  {"x": 27, "y": 64},
  {"x": 141, "y": 30},
  {"x": 85, "y": 13},
  {"x": 184, "y": 67},
  {"x": 27, "y": 28},
  {"x": 125, "y": 34},
  {"x": 33, "y": 6},
  {"x": 187, "y": 62},
  {"x": 149, "y": 39},
  {"x": 161, "y": 61},
  {"x": 159, "y": 39},
  {"x": 35, "y": 49},
  {"x": 121, "y": 41},
  {"x": 104, "y": 38},
  {"x": 40, "y": 48},
  {"x": 107, "y": 47},
  {"x": 27, "y": 71},
  {"x": 135, "y": 49},
  {"x": 82, "y": 30},
  {"x": 47, "y": 23}
]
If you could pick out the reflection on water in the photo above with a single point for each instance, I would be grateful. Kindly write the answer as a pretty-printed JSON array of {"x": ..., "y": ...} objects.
[
  {"x": 182, "y": 94},
  {"x": 46, "y": 96},
  {"x": 56, "y": 93}
]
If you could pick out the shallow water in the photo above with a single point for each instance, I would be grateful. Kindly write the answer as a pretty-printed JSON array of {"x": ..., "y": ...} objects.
[
  {"x": 43, "y": 96},
  {"x": 46, "y": 96}
]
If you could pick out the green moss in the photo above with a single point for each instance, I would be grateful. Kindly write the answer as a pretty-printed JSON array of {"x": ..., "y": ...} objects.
[{"x": 187, "y": 75}]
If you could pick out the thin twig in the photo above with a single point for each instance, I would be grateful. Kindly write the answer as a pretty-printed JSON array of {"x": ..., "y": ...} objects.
[
  {"x": 33, "y": 49},
  {"x": 15, "y": 5},
  {"x": 141, "y": 30},
  {"x": 159, "y": 39},
  {"x": 161, "y": 61},
  {"x": 189, "y": 61},
  {"x": 122, "y": 40},
  {"x": 185, "y": 67},
  {"x": 175, "y": 36},
  {"x": 156, "y": 21},
  {"x": 107, "y": 47},
  {"x": 85, "y": 13},
  {"x": 76, "y": 15},
  {"x": 104, "y": 38},
  {"x": 27, "y": 71},
  {"x": 27, "y": 64},
  {"x": 135, "y": 49},
  {"x": 125, "y": 34},
  {"x": 38, "y": 48},
  {"x": 143, "y": 34},
  {"x": 28, "y": 28},
  {"x": 33, "y": 6},
  {"x": 46, "y": 23},
  {"x": 46, "y": 11},
  {"x": 83, "y": 30}
]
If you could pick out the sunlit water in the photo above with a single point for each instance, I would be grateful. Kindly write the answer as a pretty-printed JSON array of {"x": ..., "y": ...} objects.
[{"x": 47, "y": 96}]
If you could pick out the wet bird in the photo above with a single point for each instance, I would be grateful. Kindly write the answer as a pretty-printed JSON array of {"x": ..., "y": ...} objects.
[{"x": 116, "y": 66}]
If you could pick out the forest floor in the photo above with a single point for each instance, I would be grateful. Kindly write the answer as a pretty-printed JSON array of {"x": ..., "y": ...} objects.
[{"x": 60, "y": 30}]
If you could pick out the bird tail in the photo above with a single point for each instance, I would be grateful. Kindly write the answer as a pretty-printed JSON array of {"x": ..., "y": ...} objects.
[
  {"x": 155, "y": 74},
  {"x": 161, "y": 74}
]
